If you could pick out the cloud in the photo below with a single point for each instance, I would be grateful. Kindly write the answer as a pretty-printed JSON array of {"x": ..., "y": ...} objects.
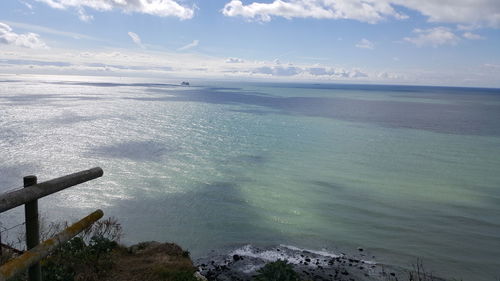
[
  {"x": 189, "y": 46},
  {"x": 135, "y": 38},
  {"x": 27, "y": 40},
  {"x": 434, "y": 37},
  {"x": 181, "y": 66},
  {"x": 492, "y": 66},
  {"x": 83, "y": 16},
  {"x": 161, "y": 8},
  {"x": 28, "y": 5},
  {"x": 47, "y": 30},
  {"x": 468, "y": 12},
  {"x": 277, "y": 70},
  {"x": 389, "y": 76},
  {"x": 472, "y": 36},
  {"x": 234, "y": 60},
  {"x": 365, "y": 11},
  {"x": 312, "y": 72},
  {"x": 365, "y": 44},
  {"x": 331, "y": 72}
]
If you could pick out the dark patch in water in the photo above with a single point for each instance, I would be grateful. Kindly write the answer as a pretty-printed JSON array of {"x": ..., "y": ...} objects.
[
  {"x": 251, "y": 159},
  {"x": 134, "y": 150},
  {"x": 256, "y": 111},
  {"x": 460, "y": 118},
  {"x": 328, "y": 185},
  {"x": 221, "y": 185},
  {"x": 211, "y": 212},
  {"x": 48, "y": 99},
  {"x": 111, "y": 84},
  {"x": 69, "y": 118}
]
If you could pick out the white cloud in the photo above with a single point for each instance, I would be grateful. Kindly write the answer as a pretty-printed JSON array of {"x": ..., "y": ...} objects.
[
  {"x": 162, "y": 8},
  {"x": 492, "y": 66},
  {"x": 83, "y": 16},
  {"x": 234, "y": 60},
  {"x": 389, "y": 76},
  {"x": 28, "y": 40},
  {"x": 28, "y": 5},
  {"x": 365, "y": 11},
  {"x": 47, "y": 30},
  {"x": 135, "y": 38},
  {"x": 278, "y": 70},
  {"x": 310, "y": 72},
  {"x": 189, "y": 46},
  {"x": 337, "y": 73},
  {"x": 181, "y": 66},
  {"x": 472, "y": 36},
  {"x": 365, "y": 44},
  {"x": 434, "y": 37},
  {"x": 468, "y": 12}
]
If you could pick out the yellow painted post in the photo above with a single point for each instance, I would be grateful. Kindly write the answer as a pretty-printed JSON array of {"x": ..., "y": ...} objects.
[{"x": 29, "y": 258}]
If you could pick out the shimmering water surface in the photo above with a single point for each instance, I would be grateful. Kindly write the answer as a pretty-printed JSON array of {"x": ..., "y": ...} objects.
[{"x": 401, "y": 171}]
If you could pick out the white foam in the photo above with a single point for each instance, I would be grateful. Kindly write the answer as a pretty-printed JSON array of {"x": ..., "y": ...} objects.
[
  {"x": 321, "y": 253},
  {"x": 297, "y": 257},
  {"x": 251, "y": 268},
  {"x": 249, "y": 251},
  {"x": 273, "y": 255}
]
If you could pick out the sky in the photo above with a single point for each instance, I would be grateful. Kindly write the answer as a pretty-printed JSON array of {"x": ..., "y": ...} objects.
[{"x": 420, "y": 42}]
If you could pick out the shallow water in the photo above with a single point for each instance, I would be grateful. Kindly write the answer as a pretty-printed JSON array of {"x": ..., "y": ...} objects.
[{"x": 404, "y": 172}]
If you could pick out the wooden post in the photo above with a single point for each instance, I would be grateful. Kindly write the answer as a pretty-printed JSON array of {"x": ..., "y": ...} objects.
[
  {"x": 20, "y": 197},
  {"x": 32, "y": 229}
]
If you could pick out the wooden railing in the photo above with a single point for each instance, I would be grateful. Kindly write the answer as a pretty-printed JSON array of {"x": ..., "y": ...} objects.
[{"x": 28, "y": 196}]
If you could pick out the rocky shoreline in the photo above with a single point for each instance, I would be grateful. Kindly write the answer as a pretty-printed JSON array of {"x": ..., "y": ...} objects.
[{"x": 242, "y": 264}]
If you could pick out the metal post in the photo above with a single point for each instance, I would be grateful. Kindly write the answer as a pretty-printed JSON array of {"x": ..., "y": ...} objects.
[{"x": 32, "y": 229}]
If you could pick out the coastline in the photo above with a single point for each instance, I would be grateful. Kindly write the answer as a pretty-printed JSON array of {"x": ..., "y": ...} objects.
[{"x": 244, "y": 262}]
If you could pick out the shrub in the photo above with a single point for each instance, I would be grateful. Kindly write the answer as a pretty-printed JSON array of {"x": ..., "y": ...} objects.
[
  {"x": 277, "y": 271},
  {"x": 170, "y": 274},
  {"x": 77, "y": 260}
]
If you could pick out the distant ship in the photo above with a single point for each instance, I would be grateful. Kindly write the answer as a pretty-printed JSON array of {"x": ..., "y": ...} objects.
[{"x": 184, "y": 83}]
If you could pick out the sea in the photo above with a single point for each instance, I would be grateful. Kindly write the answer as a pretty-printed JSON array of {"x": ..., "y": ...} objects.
[{"x": 407, "y": 173}]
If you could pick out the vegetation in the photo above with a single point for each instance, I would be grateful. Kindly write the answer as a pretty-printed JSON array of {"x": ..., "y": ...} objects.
[
  {"x": 96, "y": 255},
  {"x": 165, "y": 273},
  {"x": 77, "y": 260},
  {"x": 277, "y": 271}
]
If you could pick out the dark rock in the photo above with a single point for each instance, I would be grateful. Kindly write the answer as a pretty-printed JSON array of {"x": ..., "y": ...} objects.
[{"x": 236, "y": 257}]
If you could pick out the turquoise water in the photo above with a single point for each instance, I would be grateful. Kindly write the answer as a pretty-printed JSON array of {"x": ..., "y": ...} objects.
[{"x": 404, "y": 172}]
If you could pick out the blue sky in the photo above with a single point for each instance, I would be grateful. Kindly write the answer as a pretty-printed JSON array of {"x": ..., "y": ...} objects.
[{"x": 429, "y": 42}]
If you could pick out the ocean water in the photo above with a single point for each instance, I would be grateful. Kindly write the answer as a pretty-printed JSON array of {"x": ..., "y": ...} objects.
[{"x": 403, "y": 172}]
